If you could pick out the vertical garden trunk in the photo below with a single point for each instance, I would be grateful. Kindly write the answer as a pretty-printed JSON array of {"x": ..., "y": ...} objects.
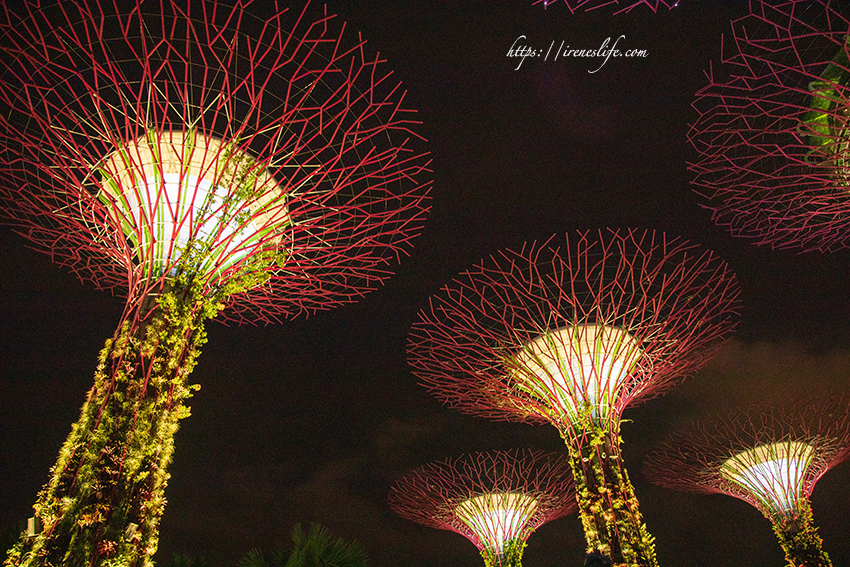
[
  {"x": 609, "y": 511},
  {"x": 105, "y": 498},
  {"x": 510, "y": 556},
  {"x": 799, "y": 538}
]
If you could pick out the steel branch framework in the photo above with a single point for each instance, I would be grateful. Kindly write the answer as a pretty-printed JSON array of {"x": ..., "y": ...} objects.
[
  {"x": 572, "y": 332},
  {"x": 768, "y": 455},
  {"x": 619, "y": 6},
  {"x": 496, "y": 500},
  {"x": 772, "y": 132},
  {"x": 295, "y": 106},
  {"x": 201, "y": 160}
]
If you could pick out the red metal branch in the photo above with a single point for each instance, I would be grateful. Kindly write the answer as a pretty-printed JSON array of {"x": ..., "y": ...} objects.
[
  {"x": 473, "y": 347},
  {"x": 322, "y": 120},
  {"x": 433, "y": 495},
  {"x": 619, "y": 6},
  {"x": 772, "y": 128},
  {"x": 695, "y": 460}
]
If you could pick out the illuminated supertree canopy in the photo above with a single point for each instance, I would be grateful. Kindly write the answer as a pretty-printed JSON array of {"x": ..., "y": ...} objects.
[
  {"x": 496, "y": 500},
  {"x": 571, "y": 332},
  {"x": 619, "y": 6},
  {"x": 768, "y": 455},
  {"x": 772, "y": 134},
  {"x": 202, "y": 161}
]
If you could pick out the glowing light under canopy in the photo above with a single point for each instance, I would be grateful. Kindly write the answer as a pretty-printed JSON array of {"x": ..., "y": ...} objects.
[
  {"x": 772, "y": 473},
  {"x": 579, "y": 366},
  {"x": 497, "y": 518},
  {"x": 168, "y": 189}
]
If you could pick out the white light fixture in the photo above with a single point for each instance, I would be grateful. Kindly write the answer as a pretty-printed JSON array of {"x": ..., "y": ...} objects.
[
  {"x": 34, "y": 526},
  {"x": 578, "y": 366},
  {"x": 772, "y": 473},
  {"x": 497, "y": 518},
  {"x": 166, "y": 189}
]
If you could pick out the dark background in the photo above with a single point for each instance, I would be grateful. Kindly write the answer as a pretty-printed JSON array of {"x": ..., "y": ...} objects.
[{"x": 314, "y": 419}]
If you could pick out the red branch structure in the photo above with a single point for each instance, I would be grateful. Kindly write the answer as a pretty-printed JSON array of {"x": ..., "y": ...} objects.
[
  {"x": 770, "y": 456},
  {"x": 571, "y": 333},
  {"x": 202, "y": 160},
  {"x": 772, "y": 133},
  {"x": 619, "y": 6},
  {"x": 294, "y": 102},
  {"x": 496, "y": 500}
]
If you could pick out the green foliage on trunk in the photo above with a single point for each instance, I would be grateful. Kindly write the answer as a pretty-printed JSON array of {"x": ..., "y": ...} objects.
[
  {"x": 799, "y": 538},
  {"x": 106, "y": 495},
  {"x": 511, "y": 555},
  {"x": 608, "y": 507}
]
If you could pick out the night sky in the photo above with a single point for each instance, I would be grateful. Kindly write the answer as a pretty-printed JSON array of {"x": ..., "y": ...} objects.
[{"x": 316, "y": 418}]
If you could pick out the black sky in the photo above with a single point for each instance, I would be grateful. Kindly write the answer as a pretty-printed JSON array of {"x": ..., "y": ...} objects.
[{"x": 314, "y": 419}]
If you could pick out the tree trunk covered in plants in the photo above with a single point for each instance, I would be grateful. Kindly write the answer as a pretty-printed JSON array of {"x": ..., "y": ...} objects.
[
  {"x": 511, "y": 555},
  {"x": 609, "y": 510},
  {"x": 799, "y": 538},
  {"x": 105, "y": 497}
]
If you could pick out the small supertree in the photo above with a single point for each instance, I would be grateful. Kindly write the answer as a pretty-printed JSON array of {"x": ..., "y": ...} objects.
[
  {"x": 571, "y": 333},
  {"x": 773, "y": 133},
  {"x": 768, "y": 455},
  {"x": 496, "y": 500},
  {"x": 620, "y": 6},
  {"x": 200, "y": 160}
]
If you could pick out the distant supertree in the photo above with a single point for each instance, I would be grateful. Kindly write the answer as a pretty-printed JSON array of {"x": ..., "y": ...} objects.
[
  {"x": 201, "y": 160},
  {"x": 772, "y": 134},
  {"x": 619, "y": 6},
  {"x": 571, "y": 333},
  {"x": 768, "y": 455},
  {"x": 496, "y": 500}
]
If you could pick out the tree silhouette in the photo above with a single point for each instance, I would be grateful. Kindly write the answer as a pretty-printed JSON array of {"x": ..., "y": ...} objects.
[{"x": 313, "y": 548}]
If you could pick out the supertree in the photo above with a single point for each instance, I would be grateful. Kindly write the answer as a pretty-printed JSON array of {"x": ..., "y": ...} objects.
[
  {"x": 620, "y": 6},
  {"x": 772, "y": 132},
  {"x": 570, "y": 333},
  {"x": 496, "y": 500},
  {"x": 203, "y": 161},
  {"x": 768, "y": 455}
]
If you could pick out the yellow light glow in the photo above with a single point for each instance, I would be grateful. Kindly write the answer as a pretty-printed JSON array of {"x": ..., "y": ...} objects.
[
  {"x": 173, "y": 187},
  {"x": 773, "y": 473},
  {"x": 497, "y": 518},
  {"x": 579, "y": 366}
]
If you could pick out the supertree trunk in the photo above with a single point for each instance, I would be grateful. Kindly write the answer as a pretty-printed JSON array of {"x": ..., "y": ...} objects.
[
  {"x": 105, "y": 498},
  {"x": 510, "y": 556},
  {"x": 799, "y": 538},
  {"x": 608, "y": 507}
]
